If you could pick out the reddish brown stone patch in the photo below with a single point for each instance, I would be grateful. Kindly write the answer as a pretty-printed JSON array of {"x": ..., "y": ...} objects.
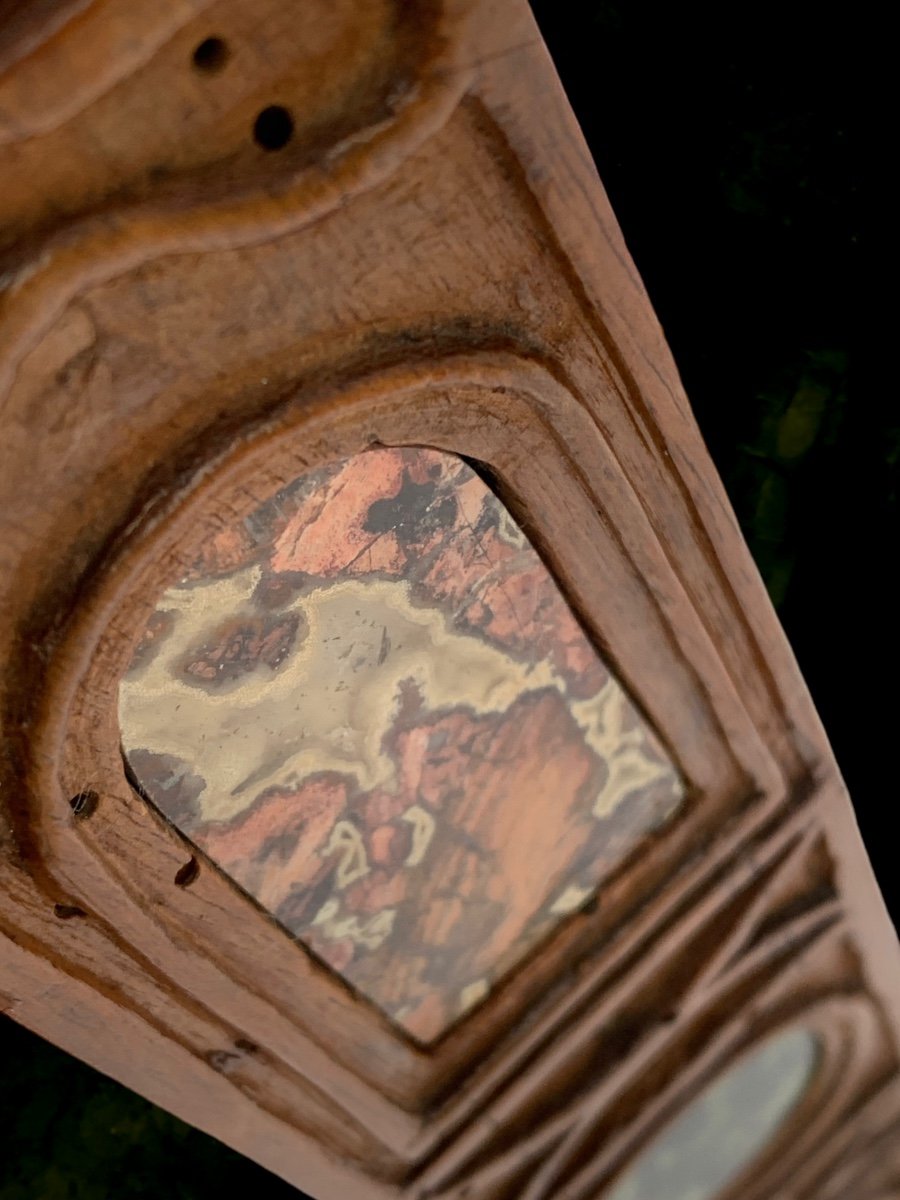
[
  {"x": 370, "y": 705},
  {"x": 240, "y": 645}
]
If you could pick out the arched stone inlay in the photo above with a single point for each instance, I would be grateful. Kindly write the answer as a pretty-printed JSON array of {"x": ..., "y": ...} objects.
[
  {"x": 723, "y": 1130},
  {"x": 371, "y": 706}
]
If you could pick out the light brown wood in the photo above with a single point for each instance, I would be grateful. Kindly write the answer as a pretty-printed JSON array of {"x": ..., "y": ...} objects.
[{"x": 189, "y": 320}]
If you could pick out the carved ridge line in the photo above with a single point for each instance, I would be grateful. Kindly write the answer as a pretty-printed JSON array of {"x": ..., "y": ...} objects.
[
  {"x": 578, "y": 1039},
  {"x": 851, "y": 1146},
  {"x": 442, "y": 373},
  {"x": 23, "y": 36},
  {"x": 130, "y": 53},
  {"x": 725, "y": 961},
  {"x": 682, "y": 912},
  {"x": 93, "y": 249},
  {"x": 362, "y": 1104},
  {"x": 82, "y": 1008},
  {"x": 503, "y": 374},
  {"x": 636, "y": 404},
  {"x": 571, "y": 1129},
  {"x": 796, "y": 938},
  {"x": 242, "y": 1075},
  {"x": 222, "y": 1032}
]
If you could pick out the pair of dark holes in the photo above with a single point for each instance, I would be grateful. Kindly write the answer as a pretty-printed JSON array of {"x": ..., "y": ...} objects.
[
  {"x": 274, "y": 126},
  {"x": 83, "y": 805}
]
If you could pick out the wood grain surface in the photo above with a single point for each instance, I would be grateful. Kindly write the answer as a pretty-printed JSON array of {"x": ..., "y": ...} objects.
[{"x": 241, "y": 247}]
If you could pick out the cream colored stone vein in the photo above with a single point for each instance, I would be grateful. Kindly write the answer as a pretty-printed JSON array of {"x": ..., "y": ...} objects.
[
  {"x": 423, "y": 828},
  {"x": 369, "y": 933},
  {"x": 328, "y": 706},
  {"x": 605, "y": 719}
]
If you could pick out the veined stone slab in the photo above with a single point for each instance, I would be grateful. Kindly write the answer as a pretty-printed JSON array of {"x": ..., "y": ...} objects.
[{"x": 371, "y": 706}]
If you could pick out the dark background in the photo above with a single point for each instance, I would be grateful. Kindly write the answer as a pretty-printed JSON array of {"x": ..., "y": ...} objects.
[{"x": 729, "y": 142}]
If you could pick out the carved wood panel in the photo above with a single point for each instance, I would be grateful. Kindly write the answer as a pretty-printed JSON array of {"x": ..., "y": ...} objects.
[{"x": 315, "y": 325}]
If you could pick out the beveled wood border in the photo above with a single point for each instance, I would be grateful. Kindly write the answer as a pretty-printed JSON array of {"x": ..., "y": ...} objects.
[
  {"x": 498, "y": 415},
  {"x": 850, "y": 1040},
  {"x": 762, "y": 969},
  {"x": 107, "y": 958}
]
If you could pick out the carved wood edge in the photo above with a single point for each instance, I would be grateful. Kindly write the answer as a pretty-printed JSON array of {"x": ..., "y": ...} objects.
[{"x": 755, "y": 912}]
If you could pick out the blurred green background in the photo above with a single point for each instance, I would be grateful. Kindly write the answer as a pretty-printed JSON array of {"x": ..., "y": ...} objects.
[{"x": 728, "y": 141}]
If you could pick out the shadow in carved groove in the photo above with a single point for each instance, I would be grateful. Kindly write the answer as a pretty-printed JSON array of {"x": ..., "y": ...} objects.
[{"x": 672, "y": 1028}]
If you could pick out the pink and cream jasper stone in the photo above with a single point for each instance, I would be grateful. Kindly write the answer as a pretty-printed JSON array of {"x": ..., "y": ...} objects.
[{"x": 371, "y": 706}]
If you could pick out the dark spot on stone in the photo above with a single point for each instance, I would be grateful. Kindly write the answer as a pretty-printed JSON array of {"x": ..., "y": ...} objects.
[
  {"x": 488, "y": 517},
  {"x": 411, "y": 704},
  {"x": 385, "y": 648},
  {"x": 240, "y": 646},
  {"x": 280, "y": 846},
  {"x": 301, "y": 905},
  {"x": 414, "y": 514}
]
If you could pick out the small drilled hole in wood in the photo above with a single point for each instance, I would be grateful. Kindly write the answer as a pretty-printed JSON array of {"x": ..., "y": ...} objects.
[
  {"x": 83, "y": 804},
  {"x": 186, "y": 875},
  {"x": 211, "y": 55},
  {"x": 65, "y": 912},
  {"x": 273, "y": 128}
]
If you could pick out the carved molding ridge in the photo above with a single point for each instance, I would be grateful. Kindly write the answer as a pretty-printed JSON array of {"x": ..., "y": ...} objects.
[
  {"x": 434, "y": 267},
  {"x": 93, "y": 248}
]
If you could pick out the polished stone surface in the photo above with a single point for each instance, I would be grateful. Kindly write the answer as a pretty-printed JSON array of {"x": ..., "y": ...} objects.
[
  {"x": 720, "y": 1133},
  {"x": 370, "y": 705}
]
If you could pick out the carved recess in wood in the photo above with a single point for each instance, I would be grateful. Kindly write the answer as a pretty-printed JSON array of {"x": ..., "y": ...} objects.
[
  {"x": 434, "y": 263},
  {"x": 117, "y": 147},
  {"x": 370, "y": 704},
  {"x": 604, "y": 1087},
  {"x": 728, "y": 1124}
]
